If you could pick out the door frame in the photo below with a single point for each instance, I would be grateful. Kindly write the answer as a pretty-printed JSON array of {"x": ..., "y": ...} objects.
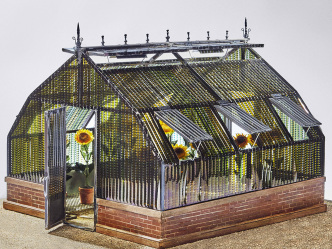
[
  {"x": 46, "y": 181},
  {"x": 59, "y": 122}
]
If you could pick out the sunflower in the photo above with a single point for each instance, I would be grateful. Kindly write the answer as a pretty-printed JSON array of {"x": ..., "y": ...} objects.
[
  {"x": 241, "y": 140},
  {"x": 251, "y": 140},
  {"x": 84, "y": 136},
  {"x": 181, "y": 151},
  {"x": 166, "y": 128}
]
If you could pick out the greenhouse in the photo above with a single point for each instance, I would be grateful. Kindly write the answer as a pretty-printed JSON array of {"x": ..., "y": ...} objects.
[{"x": 170, "y": 137}]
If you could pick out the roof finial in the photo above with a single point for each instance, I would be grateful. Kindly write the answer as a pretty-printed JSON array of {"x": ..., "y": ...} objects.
[
  {"x": 226, "y": 34},
  {"x": 147, "y": 38},
  {"x": 102, "y": 41},
  {"x": 167, "y": 37},
  {"x": 245, "y": 30},
  {"x": 79, "y": 39},
  {"x": 125, "y": 41},
  {"x": 188, "y": 33},
  {"x": 208, "y": 37}
]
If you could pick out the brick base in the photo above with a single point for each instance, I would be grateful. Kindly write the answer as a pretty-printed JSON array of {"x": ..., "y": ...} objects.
[
  {"x": 25, "y": 197},
  {"x": 161, "y": 229}
]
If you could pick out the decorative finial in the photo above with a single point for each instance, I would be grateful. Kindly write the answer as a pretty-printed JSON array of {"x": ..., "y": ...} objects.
[
  {"x": 147, "y": 38},
  {"x": 188, "y": 33},
  {"x": 125, "y": 41},
  {"x": 79, "y": 40},
  {"x": 226, "y": 34},
  {"x": 167, "y": 37},
  {"x": 102, "y": 41},
  {"x": 208, "y": 37},
  {"x": 245, "y": 30}
]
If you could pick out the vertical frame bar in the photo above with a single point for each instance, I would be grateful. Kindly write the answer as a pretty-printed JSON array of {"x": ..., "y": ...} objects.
[
  {"x": 95, "y": 162},
  {"x": 9, "y": 163},
  {"x": 162, "y": 186},
  {"x": 80, "y": 78}
]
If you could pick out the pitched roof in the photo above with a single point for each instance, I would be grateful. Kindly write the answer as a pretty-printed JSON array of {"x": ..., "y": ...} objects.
[{"x": 160, "y": 85}]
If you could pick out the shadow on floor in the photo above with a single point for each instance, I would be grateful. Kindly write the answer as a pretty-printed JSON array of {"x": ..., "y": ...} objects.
[{"x": 94, "y": 238}]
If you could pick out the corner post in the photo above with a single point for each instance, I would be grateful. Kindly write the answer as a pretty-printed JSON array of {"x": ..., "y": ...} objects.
[{"x": 162, "y": 186}]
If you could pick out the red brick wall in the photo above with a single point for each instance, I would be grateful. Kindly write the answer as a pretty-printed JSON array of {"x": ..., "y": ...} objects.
[
  {"x": 213, "y": 214},
  {"x": 246, "y": 207},
  {"x": 129, "y": 221},
  {"x": 26, "y": 193}
]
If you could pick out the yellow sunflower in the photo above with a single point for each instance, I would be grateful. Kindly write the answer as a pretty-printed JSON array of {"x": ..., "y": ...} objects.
[
  {"x": 166, "y": 128},
  {"x": 241, "y": 140},
  {"x": 84, "y": 136},
  {"x": 251, "y": 140},
  {"x": 181, "y": 151}
]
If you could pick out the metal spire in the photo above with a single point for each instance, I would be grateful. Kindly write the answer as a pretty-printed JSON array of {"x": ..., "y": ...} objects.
[
  {"x": 167, "y": 37},
  {"x": 102, "y": 41},
  {"x": 79, "y": 39},
  {"x": 245, "y": 30}
]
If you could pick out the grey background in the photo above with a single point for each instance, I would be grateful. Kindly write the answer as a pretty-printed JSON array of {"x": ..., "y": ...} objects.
[{"x": 296, "y": 34}]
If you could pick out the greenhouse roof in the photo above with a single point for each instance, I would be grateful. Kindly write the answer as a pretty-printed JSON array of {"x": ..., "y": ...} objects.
[
  {"x": 239, "y": 74},
  {"x": 197, "y": 83}
]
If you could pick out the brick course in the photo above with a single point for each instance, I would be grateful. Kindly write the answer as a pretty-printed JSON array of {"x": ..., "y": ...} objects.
[
  {"x": 25, "y": 194},
  {"x": 128, "y": 221},
  {"x": 210, "y": 216}
]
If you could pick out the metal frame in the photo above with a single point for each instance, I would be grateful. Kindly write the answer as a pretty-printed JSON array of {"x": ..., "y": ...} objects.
[
  {"x": 48, "y": 208},
  {"x": 198, "y": 77},
  {"x": 279, "y": 121},
  {"x": 182, "y": 125},
  {"x": 292, "y": 110},
  {"x": 142, "y": 49},
  {"x": 235, "y": 114},
  {"x": 208, "y": 161}
]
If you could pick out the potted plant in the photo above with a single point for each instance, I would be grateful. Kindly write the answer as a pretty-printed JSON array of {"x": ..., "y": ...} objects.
[{"x": 84, "y": 138}]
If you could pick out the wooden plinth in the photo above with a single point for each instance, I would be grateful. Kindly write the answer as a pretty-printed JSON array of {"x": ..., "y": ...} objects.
[{"x": 24, "y": 209}]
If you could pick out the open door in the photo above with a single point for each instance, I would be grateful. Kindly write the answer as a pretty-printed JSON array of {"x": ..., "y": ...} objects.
[{"x": 55, "y": 166}]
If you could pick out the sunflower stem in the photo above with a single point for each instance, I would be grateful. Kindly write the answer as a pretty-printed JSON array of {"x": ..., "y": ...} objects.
[{"x": 86, "y": 156}]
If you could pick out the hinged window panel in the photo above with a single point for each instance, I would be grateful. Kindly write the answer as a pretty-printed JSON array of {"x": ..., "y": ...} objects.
[
  {"x": 295, "y": 112},
  {"x": 182, "y": 125},
  {"x": 244, "y": 120}
]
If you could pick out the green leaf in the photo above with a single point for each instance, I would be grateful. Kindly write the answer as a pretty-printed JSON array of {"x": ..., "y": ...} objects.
[
  {"x": 174, "y": 142},
  {"x": 192, "y": 154}
]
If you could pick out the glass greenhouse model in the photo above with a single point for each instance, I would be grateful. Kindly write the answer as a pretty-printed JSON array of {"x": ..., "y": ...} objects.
[{"x": 168, "y": 136}]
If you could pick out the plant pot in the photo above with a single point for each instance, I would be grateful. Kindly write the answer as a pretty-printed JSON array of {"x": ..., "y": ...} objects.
[{"x": 86, "y": 195}]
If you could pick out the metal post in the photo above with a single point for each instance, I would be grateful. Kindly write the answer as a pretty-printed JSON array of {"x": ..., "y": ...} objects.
[
  {"x": 9, "y": 157},
  {"x": 162, "y": 186},
  {"x": 95, "y": 162}
]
